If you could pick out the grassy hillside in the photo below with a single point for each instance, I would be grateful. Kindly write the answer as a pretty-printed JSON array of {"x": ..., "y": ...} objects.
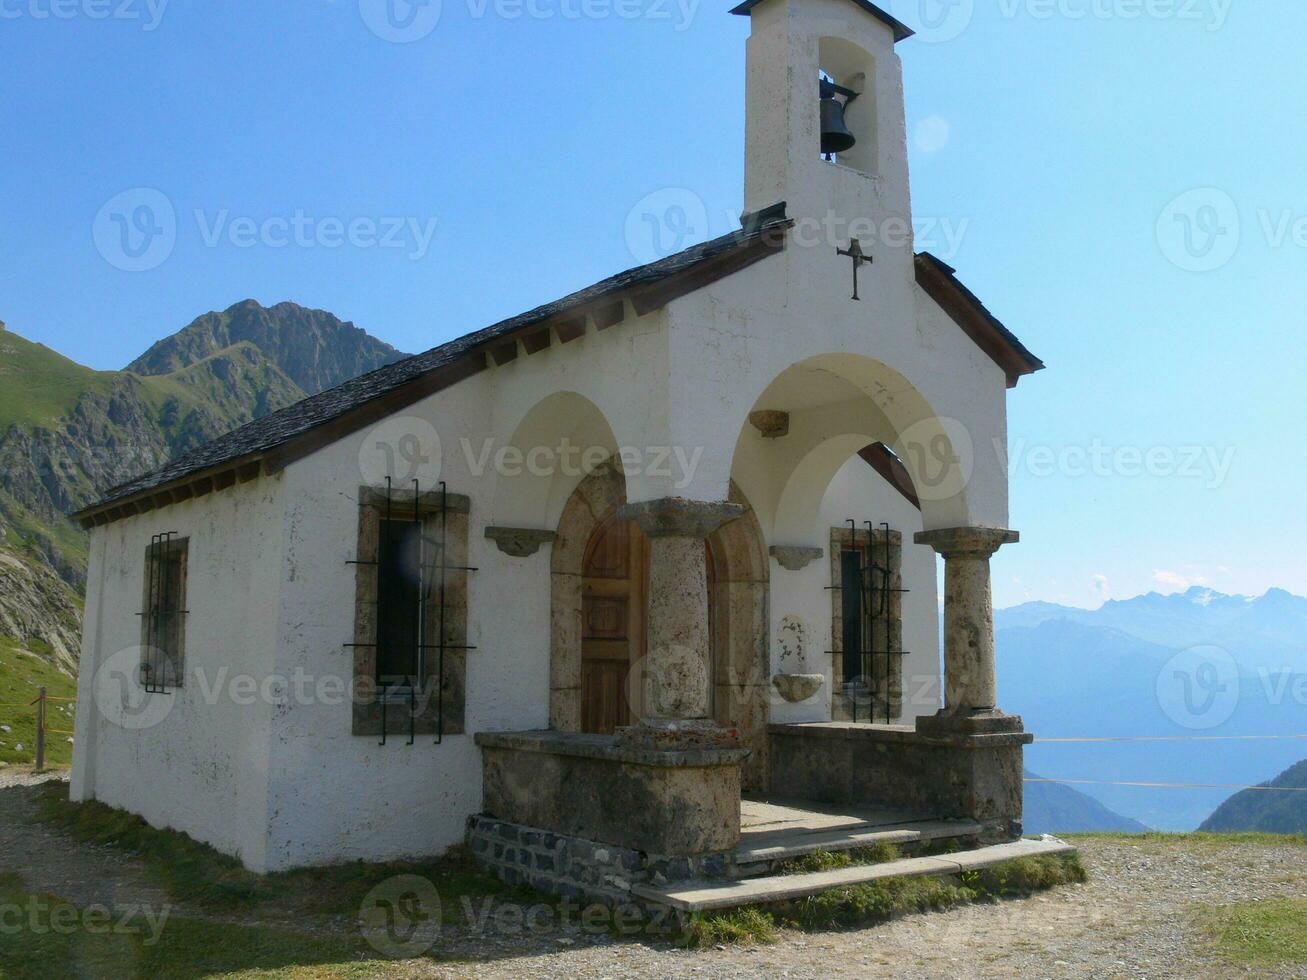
[
  {"x": 38, "y": 386},
  {"x": 1266, "y": 811},
  {"x": 22, "y": 674}
]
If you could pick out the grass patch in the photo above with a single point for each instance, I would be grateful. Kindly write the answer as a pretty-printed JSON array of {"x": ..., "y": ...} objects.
[
  {"x": 874, "y": 902},
  {"x": 22, "y": 675},
  {"x": 197, "y": 874},
  {"x": 737, "y": 927},
  {"x": 1269, "y": 933},
  {"x": 824, "y": 860},
  {"x": 46, "y": 937}
]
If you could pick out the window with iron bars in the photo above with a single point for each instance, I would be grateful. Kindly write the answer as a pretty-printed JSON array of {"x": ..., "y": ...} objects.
[
  {"x": 867, "y": 623},
  {"x": 410, "y": 624},
  {"x": 163, "y": 613}
]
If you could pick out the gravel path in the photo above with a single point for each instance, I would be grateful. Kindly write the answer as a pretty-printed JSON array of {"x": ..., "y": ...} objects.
[{"x": 1136, "y": 918}]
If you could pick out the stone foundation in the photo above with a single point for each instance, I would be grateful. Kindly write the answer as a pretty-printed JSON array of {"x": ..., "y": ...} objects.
[
  {"x": 592, "y": 788},
  {"x": 972, "y": 776},
  {"x": 575, "y": 867}
]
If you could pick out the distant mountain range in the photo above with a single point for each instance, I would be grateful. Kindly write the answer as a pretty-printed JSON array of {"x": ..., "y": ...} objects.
[
  {"x": 1145, "y": 668},
  {"x": 68, "y": 433},
  {"x": 1266, "y": 810},
  {"x": 1052, "y": 808}
]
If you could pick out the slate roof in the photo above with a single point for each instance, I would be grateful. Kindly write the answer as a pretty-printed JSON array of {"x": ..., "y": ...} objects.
[{"x": 295, "y": 420}]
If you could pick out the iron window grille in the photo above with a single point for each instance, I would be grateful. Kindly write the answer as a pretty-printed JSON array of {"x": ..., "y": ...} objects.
[{"x": 163, "y": 616}]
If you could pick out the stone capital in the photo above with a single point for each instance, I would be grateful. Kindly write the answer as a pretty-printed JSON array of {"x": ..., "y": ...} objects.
[
  {"x": 676, "y": 517},
  {"x": 519, "y": 542},
  {"x": 795, "y": 557},
  {"x": 967, "y": 542}
]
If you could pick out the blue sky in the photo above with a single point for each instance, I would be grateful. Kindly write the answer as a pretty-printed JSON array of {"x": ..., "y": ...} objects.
[{"x": 1054, "y": 137}]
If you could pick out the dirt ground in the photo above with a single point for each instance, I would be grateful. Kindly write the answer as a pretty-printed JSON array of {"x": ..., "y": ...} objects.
[{"x": 1136, "y": 918}]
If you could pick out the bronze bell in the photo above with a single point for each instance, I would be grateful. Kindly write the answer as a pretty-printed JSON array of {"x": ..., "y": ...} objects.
[{"x": 835, "y": 135}]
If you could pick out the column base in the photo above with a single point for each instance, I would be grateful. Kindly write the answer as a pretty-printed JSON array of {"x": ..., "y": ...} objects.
[
  {"x": 984, "y": 721},
  {"x": 678, "y": 735}
]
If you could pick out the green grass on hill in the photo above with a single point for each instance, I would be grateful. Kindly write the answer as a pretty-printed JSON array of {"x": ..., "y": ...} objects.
[
  {"x": 38, "y": 386},
  {"x": 1210, "y": 840},
  {"x": 22, "y": 675}
]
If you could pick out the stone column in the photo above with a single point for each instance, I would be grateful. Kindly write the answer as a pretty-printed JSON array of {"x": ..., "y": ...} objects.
[
  {"x": 676, "y": 675},
  {"x": 970, "y": 683}
]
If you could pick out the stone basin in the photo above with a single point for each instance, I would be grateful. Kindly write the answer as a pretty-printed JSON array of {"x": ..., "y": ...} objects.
[{"x": 795, "y": 688}]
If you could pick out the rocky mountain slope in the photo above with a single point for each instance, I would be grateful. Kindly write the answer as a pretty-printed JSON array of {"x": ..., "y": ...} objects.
[
  {"x": 1055, "y": 808},
  {"x": 68, "y": 433},
  {"x": 1263, "y": 811}
]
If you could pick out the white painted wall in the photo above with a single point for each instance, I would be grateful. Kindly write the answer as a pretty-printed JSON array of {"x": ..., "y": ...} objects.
[{"x": 203, "y": 767}]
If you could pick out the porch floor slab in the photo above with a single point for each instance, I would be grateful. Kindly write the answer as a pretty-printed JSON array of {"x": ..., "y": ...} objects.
[{"x": 776, "y": 829}]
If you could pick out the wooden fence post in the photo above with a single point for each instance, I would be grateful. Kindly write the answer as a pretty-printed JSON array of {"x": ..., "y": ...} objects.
[{"x": 40, "y": 731}]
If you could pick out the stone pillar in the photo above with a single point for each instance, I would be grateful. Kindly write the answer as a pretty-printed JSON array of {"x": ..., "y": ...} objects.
[
  {"x": 970, "y": 684},
  {"x": 676, "y": 676}
]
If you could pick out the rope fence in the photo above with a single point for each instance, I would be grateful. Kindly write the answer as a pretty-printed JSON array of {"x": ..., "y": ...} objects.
[{"x": 41, "y": 703}]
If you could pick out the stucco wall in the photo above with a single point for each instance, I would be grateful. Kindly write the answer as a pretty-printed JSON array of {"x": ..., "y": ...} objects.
[{"x": 200, "y": 763}]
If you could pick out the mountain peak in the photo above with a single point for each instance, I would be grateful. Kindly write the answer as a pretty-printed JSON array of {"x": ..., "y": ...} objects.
[{"x": 316, "y": 349}]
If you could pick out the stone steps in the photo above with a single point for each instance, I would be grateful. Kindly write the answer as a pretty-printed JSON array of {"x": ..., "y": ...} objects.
[
  {"x": 700, "y": 895},
  {"x": 764, "y": 852}
]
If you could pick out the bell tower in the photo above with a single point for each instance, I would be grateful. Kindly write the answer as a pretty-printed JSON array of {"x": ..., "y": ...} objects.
[{"x": 827, "y": 68}]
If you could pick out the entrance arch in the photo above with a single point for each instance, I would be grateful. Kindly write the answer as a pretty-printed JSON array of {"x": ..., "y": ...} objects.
[{"x": 598, "y": 609}]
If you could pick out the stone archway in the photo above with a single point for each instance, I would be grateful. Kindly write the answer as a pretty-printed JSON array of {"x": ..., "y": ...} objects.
[{"x": 740, "y": 615}]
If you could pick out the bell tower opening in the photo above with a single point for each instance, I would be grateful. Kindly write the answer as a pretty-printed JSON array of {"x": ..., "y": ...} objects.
[{"x": 847, "y": 105}]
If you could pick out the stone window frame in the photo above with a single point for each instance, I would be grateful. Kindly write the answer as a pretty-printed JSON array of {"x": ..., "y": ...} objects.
[
  {"x": 177, "y": 549},
  {"x": 367, "y": 707},
  {"x": 885, "y": 638}
]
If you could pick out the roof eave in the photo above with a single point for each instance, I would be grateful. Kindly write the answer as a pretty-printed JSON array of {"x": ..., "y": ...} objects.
[{"x": 963, "y": 307}]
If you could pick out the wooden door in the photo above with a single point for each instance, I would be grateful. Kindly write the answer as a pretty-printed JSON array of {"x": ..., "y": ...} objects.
[{"x": 612, "y": 623}]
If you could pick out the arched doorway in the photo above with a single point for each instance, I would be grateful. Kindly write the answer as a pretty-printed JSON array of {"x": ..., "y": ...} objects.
[{"x": 594, "y": 564}]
